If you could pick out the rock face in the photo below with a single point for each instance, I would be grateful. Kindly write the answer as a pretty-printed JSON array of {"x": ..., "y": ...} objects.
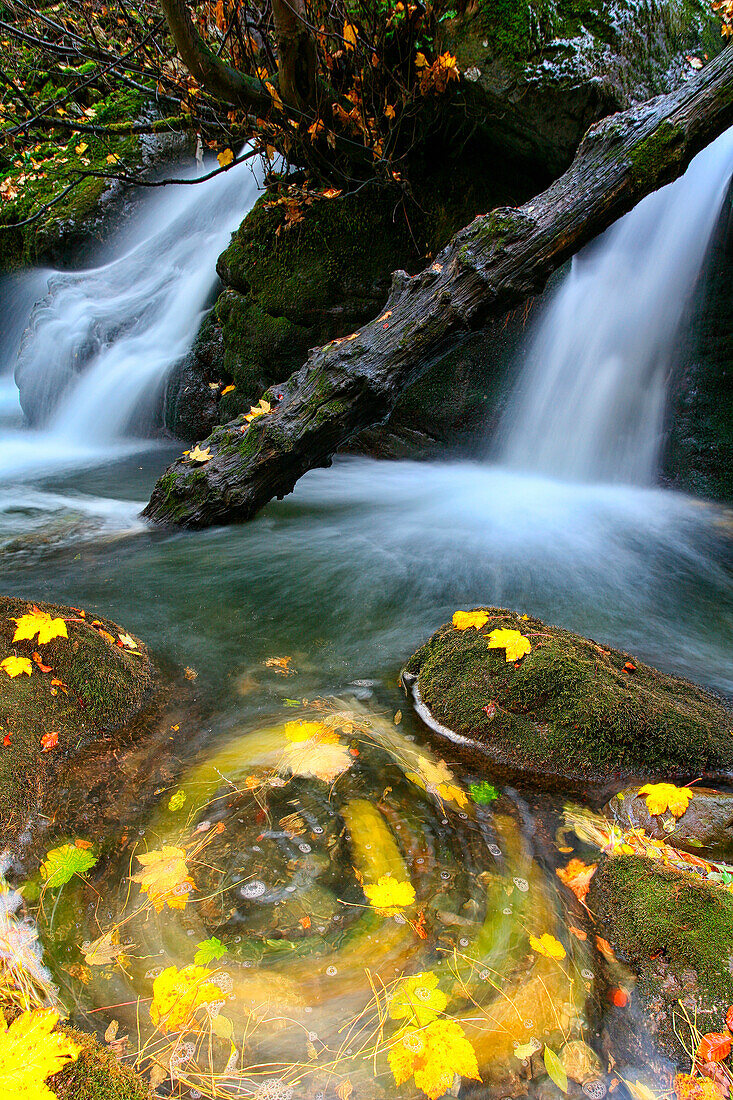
[
  {"x": 91, "y": 685},
  {"x": 537, "y": 74},
  {"x": 676, "y": 933},
  {"x": 707, "y": 823},
  {"x": 570, "y": 712}
]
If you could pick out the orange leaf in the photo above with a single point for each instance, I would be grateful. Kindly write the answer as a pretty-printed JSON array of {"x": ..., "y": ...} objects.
[
  {"x": 577, "y": 876},
  {"x": 49, "y": 741},
  {"x": 714, "y": 1047}
]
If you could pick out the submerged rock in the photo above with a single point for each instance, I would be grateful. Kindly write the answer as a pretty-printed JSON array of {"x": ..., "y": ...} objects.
[
  {"x": 707, "y": 823},
  {"x": 62, "y": 696},
  {"x": 676, "y": 932},
  {"x": 571, "y": 711}
]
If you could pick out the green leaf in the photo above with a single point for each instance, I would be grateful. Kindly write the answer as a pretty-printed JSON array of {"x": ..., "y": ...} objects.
[
  {"x": 177, "y": 800},
  {"x": 555, "y": 1070},
  {"x": 483, "y": 793},
  {"x": 208, "y": 951},
  {"x": 292, "y": 702},
  {"x": 61, "y": 864}
]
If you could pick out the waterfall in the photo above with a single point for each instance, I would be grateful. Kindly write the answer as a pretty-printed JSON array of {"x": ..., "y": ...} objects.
[
  {"x": 590, "y": 401},
  {"x": 101, "y": 343}
]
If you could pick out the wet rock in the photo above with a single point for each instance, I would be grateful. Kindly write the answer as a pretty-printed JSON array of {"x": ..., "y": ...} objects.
[
  {"x": 78, "y": 688},
  {"x": 571, "y": 713},
  {"x": 675, "y": 931},
  {"x": 707, "y": 823}
]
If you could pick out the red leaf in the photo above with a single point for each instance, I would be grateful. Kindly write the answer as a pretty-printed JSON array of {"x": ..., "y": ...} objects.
[
  {"x": 49, "y": 741},
  {"x": 39, "y": 663},
  {"x": 6, "y": 741},
  {"x": 714, "y": 1047},
  {"x": 629, "y": 667}
]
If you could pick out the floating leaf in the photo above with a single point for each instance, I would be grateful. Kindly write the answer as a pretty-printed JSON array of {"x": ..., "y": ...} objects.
[
  {"x": 177, "y": 800},
  {"x": 320, "y": 759},
  {"x": 31, "y": 1051},
  {"x": 577, "y": 876},
  {"x": 418, "y": 999},
  {"x": 525, "y": 1050},
  {"x": 209, "y": 951},
  {"x": 556, "y": 1073},
  {"x": 102, "y": 951},
  {"x": 483, "y": 793},
  {"x": 61, "y": 864},
  {"x": 165, "y": 878},
  {"x": 515, "y": 643},
  {"x": 547, "y": 945},
  {"x": 178, "y": 993},
  {"x": 389, "y": 895},
  {"x": 40, "y": 623},
  {"x": 434, "y": 1055},
  {"x": 464, "y": 620},
  {"x": 714, "y": 1047},
  {"x": 665, "y": 796},
  {"x": 16, "y": 666}
]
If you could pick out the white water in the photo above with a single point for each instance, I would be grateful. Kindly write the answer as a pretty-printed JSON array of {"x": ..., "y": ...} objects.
[
  {"x": 101, "y": 343},
  {"x": 590, "y": 402}
]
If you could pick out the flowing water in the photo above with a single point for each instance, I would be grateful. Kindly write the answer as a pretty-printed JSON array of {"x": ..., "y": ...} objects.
[{"x": 307, "y": 613}]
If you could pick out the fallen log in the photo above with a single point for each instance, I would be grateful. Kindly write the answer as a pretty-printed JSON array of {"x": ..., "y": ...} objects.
[{"x": 497, "y": 261}]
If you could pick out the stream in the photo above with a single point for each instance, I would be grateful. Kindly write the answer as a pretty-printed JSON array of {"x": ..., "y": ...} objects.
[{"x": 311, "y": 609}]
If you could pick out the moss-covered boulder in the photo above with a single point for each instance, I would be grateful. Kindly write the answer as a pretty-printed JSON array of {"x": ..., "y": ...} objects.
[
  {"x": 97, "y": 1074},
  {"x": 676, "y": 933},
  {"x": 705, "y": 827},
  {"x": 94, "y": 681},
  {"x": 570, "y": 711}
]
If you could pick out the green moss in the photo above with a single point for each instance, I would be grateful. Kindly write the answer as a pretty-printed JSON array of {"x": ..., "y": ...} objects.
[
  {"x": 676, "y": 932},
  {"x": 100, "y": 686},
  {"x": 569, "y": 709},
  {"x": 97, "y": 1075},
  {"x": 653, "y": 159}
]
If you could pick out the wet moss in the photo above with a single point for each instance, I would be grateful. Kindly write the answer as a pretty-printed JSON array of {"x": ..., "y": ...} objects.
[
  {"x": 676, "y": 933},
  {"x": 569, "y": 709},
  {"x": 97, "y": 1075},
  {"x": 653, "y": 160},
  {"x": 94, "y": 686}
]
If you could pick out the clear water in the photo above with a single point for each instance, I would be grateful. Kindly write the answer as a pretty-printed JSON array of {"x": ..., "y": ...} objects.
[{"x": 345, "y": 578}]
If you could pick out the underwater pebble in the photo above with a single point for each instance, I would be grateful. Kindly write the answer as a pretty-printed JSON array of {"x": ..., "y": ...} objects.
[{"x": 253, "y": 889}]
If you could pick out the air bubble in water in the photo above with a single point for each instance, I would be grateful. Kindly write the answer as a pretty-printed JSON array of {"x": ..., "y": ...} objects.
[
  {"x": 304, "y": 848},
  {"x": 521, "y": 884},
  {"x": 254, "y": 889},
  {"x": 596, "y": 1090},
  {"x": 331, "y": 970},
  {"x": 494, "y": 849}
]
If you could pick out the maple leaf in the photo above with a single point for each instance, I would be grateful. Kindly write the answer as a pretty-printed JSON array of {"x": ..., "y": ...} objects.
[
  {"x": 483, "y": 793},
  {"x": 714, "y": 1047},
  {"x": 225, "y": 157},
  {"x": 388, "y": 895},
  {"x": 61, "y": 864},
  {"x": 305, "y": 731},
  {"x": 199, "y": 454},
  {"x": 321, "y": 758},
  {"x": 665, "y": 796},
  {"x": 165, "y": 878},
  {"x": 258, "y": 410},
  {"x": 687, "y": 1087},
  {"x": 178, "y": 993},
  {"x": 349, "y": 36},
  {"x": 433, "y": 1055},
  {"x": 40, "y": 623},
  {"x": 548, "y": 946},
  {"x": 49, "y": 741},
  {"x": 177, "y": 800},
  {"x": 127, "y": 641},
  {"x": 436, "y": 779},
  {"x": 577, "y": 876},
  {"x": 31, "y": 1051},
  {"x": 101, "y": 951},
  {"x": 16, "y": 666},
  {"x": 418, "y": 999},
  {"x": 209, "y": 950},
  {"x": 464, "y": 620},
  {"x": 515, "y": 643}
]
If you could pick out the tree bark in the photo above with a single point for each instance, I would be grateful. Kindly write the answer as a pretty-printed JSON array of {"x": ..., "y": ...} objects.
[
  {"x": 296, "y": 54},
  {"x": 491, "y": 265},
  {"x": 213, "y": 74}
]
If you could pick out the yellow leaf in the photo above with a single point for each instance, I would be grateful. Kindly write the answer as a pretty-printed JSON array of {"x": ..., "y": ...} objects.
[
  {"x": 165, "y": 878},
  {"x": 515, "y": 644},
  {"x": 178, "y": 993},
  {"x": 82, "y": 147},
  {"x": 16, "y": 666},
  {"x": 225, "y": 157},
  {"x": 258, "y": 410},
  {"x": 112, "y": 158},
  {"x": 665, "y": 796},
  {"x": 421, "y": 61},
  {"x": 320, "y": 758},
  {"x": 304, "y": 731},
  {"x": 273, "y": 94},
  {"x": 40, "y": 623},
  {"x": 389, "y": 895},
  {"x": 199, "y": 454},
  {"x": 103, "y": 950},
  {"x": 128, "y": 641},
  {"x": 464, "y": 620},
  {"x": 548, "y": 946},
  {"x": 434, "y": 1055},
  {"x": 418, "y": 999},
  {"x": 349, "y": 35},
  {"x": 31, "y": 1051},
  {"x": 228, "y": 389}
]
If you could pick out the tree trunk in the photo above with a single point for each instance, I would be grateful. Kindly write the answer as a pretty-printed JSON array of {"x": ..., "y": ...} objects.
[
  {"x": 494, "y": 263},
  {"x": 296, "y": 54}
]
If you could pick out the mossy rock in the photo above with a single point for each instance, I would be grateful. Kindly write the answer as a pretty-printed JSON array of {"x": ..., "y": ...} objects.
[
  {"x": 97, "y": 1074},
  {"x": 569, "y": 713},
  {"x": 676, "y": 933},
  {"x": 95, "y": 686},
  {"x": 706, "y": 826}
]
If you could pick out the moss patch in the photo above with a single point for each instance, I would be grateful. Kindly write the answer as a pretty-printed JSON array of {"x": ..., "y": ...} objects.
[
  {"x": 676, "y": 932},
  {"x": 568, "y": 710},
  {"x": 97, "y": 1075},
  {"x": 100, "y": 687}
]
